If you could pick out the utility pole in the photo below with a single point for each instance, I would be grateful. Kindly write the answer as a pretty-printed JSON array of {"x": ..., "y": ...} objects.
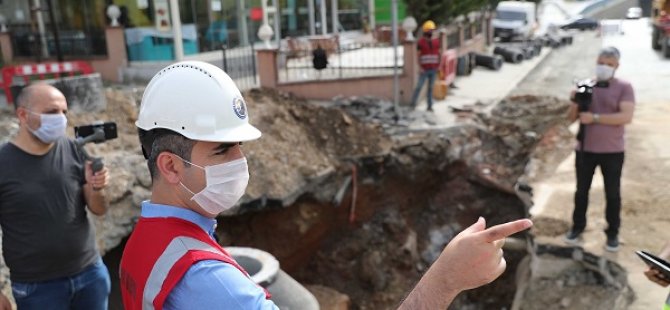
[
  {"x": 324, "y": 18},
  {"x": 54, "y": 26},
  {"x": 176, "y": 30},
  {"x": 242, "y": 23},
  {"x": 371, "y": 10},
  {"x": 334, "y": 15},
  {"x": 37, "y": 10},
  {"x": 277, "y": 22},
  {"x": 312, "y": 18},
  {"x": 394, "y": 34}
]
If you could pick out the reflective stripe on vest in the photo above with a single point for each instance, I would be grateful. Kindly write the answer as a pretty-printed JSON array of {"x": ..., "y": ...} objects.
[
  {"x": 177, "y": 248},
  {"x": 429, "y": 59}
]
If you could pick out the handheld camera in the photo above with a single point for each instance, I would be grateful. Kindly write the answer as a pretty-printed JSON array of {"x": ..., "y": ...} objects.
[
  {"x": 583, "y": 98},
  {"x": 97, "y": 132},
  {"x": 584, "y": 94}
]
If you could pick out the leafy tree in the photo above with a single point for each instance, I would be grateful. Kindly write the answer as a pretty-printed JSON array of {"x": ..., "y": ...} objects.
[{"x": 444, "y": 11}]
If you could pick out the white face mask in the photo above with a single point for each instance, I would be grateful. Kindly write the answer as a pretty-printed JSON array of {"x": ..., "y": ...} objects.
[
  {"x": 226, "y": 183},
  {"x": 52, "y": 127},
  {"x": 604, "y": 72}
]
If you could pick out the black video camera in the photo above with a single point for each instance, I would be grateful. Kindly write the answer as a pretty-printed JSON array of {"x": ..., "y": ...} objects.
[
  {"x": 583, "y": 98},
  {"x": 97, "y": 132},
  {"x": 584, "y": 94}
]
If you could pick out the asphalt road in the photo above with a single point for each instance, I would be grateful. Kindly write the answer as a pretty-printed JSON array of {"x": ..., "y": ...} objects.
[{"x": 557, "y": 74}]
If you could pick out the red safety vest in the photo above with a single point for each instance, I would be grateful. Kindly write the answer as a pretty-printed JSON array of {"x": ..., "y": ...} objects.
[
  {"x": 158, "y": 254},
  {"x": 429, "y": 53}
]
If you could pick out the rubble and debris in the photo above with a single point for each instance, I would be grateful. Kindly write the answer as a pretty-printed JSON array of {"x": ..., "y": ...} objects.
[{"x": 569, "y": 278}]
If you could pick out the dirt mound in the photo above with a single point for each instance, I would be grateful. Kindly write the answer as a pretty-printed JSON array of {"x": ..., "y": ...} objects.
[{"x": 302, "y": 144}]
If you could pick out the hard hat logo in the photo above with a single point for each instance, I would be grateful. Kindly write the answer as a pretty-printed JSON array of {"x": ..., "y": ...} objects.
[{"x": 240, "y": 108}]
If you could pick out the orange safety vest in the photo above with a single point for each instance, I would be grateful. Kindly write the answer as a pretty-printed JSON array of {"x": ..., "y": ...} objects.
[
  {"x": 429, "y": 53},
  {"x": 158, "y": 254}
]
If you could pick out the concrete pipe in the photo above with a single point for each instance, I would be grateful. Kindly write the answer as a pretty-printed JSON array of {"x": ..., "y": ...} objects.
[
  {"x": 528, "y": 52},
  {"x": 493, "y": 62},
  {"x": 553, "y": 41},
  {"x": 471, "y": 62},
  {"x": 566, "y": 40},
  {"x": 508, "y": 54},
  {"x": 537, "y": 45},
  {"x": 463, "y": 66},
  {"x": 264, "y": 270}
]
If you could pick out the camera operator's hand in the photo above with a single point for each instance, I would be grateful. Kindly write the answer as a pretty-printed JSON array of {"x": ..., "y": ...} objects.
[
  {"x": 572, "y": 96},
  {"x": 657, "y": 277},
  {"x": 586, "y": 118},
  {"x": 98, "y": 180}
]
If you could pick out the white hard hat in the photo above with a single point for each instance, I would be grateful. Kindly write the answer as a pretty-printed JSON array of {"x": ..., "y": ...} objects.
[{"x": 197, "y": 100}]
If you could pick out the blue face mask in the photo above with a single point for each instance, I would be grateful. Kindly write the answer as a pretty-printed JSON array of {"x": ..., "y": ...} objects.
[{"x": 52, "y": 127}]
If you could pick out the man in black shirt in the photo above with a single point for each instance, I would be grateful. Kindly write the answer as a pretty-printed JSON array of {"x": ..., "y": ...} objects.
[{"x": 45, "y": 186}]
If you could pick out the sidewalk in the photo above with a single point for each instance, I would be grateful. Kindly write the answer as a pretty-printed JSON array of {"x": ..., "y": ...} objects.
[{"x": 482, "y": 87}]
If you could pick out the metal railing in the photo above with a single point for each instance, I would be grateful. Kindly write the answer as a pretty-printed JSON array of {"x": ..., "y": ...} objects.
[
  {"x": 355, "y": 60},
  {"x": 240, "y": 64},
  {"x": 454, "y": 39}
]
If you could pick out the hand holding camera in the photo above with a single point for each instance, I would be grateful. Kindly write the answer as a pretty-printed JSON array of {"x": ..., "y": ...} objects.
[{"x": 97, "y": 132}]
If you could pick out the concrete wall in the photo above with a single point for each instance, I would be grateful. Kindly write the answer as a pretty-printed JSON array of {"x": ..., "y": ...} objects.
[
  {"x": 379, "y": 86},
  {"x": 6, "y": 47},
  {"x": 476, "y": 44},
  {"x": 478, "y": 41},
  {"x": 117, "y": 58}
]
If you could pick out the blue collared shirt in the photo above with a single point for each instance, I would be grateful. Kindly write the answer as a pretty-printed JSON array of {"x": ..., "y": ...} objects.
[{"x": 208, "y": 284}]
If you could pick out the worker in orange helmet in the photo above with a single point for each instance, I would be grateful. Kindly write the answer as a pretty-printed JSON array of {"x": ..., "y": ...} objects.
[{"x": 429, "y": 61}]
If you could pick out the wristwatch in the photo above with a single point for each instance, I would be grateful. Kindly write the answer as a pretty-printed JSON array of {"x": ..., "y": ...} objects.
[{"x": 596, "y": 118}]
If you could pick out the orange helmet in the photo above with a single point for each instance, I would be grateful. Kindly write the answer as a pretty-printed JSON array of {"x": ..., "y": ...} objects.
[{"x": 429, "y": 25}]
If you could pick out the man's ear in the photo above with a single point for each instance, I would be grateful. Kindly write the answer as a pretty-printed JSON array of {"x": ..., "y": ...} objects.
[
  {"x": 169, "y": 168},
  {"x": 22, "y": 114}
]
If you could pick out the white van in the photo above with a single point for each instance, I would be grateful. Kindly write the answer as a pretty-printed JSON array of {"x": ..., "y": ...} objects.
[{"x": 514, "y": 19}]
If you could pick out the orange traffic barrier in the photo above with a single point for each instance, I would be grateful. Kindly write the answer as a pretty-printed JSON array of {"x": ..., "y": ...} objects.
[{"x": 41, "y": 70}]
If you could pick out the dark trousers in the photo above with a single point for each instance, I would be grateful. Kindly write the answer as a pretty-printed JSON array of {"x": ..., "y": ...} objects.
[
  {"x": 428, "y": 74},
  {"x": 611, "y": 165}
]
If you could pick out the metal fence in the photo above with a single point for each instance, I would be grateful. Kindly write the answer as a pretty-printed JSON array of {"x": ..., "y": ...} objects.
[
  {"x": 454, "y": 39},
  {"x": 240, "y": 64},
  {"x": 353, "y": 60}
]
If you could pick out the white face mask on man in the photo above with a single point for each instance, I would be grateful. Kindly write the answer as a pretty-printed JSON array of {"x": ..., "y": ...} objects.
[
  {"x": 226, "y": 184},
  {"x": 604, "y": 72},
  {"x": 52, "y": 127}
]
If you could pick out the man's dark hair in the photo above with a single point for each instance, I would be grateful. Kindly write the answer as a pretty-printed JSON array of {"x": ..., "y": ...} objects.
[
  {"x": 156, "y": 141},
  {"x": 610, "y": 52},
  {"x": 23, "y": 97}
]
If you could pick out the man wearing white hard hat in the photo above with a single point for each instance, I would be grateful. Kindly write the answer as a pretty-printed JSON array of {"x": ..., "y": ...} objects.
[{"x": 191, "y": 123}]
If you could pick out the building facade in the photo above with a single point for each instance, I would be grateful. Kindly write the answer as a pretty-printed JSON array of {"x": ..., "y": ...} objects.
[{"x": 206, "y": 24}]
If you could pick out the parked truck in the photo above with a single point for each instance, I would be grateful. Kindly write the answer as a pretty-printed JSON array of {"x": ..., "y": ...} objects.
[
  {"x": 660, "y": 35},
  {"x": 514, "y": 20}
]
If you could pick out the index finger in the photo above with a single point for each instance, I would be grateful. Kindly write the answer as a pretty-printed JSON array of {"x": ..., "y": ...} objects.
[{"x": 505, "y": 230}]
